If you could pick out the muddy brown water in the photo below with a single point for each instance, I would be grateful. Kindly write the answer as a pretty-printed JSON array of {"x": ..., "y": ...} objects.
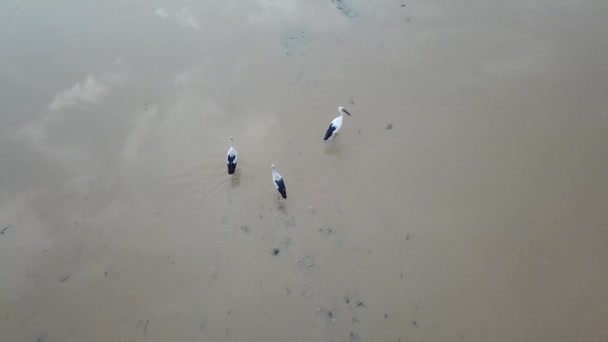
[{"x": 466, "y": 199}]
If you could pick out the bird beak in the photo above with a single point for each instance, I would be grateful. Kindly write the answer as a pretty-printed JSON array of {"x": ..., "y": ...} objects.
[{"x": 345, "y": 111}]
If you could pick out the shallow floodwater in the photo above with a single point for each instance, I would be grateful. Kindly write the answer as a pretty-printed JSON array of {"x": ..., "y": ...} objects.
[{"x": 466, "y": 199}]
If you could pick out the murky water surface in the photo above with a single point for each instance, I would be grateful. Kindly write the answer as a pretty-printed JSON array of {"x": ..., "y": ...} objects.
[{"x": 466, "y": 199}]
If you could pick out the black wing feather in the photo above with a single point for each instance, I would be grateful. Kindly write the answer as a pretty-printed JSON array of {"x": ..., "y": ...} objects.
[
  {"x": 231, "y": 164},
  {"x": 281, "y": 187},
  {"x": 231, "y": 168},
  {"x": 330, "y": 131}
]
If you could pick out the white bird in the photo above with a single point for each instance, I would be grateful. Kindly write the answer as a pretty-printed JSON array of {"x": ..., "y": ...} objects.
[
  {"x": 277, "y": 179},
  {"x": 231, "y": 157},
  {"x": 335, "y": 124}
]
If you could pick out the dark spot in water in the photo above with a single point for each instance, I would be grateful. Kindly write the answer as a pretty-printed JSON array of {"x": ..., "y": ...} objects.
[
  {"x": 389, "y": 126},
  {"x": 288, "y": 291},
  {"x": 402, "y": 5},
  {"x": 229, "y": 312},
  {"x": 359, "y": 131},
  {"x": 330, "y": 314},
  {"x": 261, "y": 216},
  {"x": 347, "y": 299},
  {"x": 401, "y": 275},
  {"x": 105, "y": 274},
  {"x": 146, "y": 327},
  {"x": 245, "y": 229},
  {"x": 354, "y": 337},
  {"x": 275, "y": 251},
  {"x": 64, "y": 278},
  {"x": 360, "y": 304},
  {"x": 415, "y": 324},
  {"x": 5, "y": 229},
  {"x": 407, "y": 236},
  {"x": 385, "y": 316}
]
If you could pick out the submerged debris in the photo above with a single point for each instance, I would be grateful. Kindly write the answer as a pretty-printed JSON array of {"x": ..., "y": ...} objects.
[
  {"x": 275, "y": 251},
  {"x": 389, "y": 126},
  {"x": 295, "y": 43},
  {"x": 327, "y": 232},
  {"x": 345, "y": 7},
  {"x": 307, "y": 261},
  {"x": 5, "y": 229},
  {"x": 354, "y": 300}
]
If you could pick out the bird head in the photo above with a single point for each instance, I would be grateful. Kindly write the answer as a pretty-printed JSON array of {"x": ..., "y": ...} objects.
[{"x": 343, "y": 110}]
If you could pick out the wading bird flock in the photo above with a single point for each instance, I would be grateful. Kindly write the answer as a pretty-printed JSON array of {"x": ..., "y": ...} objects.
[{"x": 277, "y": 179}]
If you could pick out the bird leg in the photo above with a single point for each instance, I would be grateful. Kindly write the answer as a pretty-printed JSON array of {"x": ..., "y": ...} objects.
[{"x": 279, "y": 204}]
